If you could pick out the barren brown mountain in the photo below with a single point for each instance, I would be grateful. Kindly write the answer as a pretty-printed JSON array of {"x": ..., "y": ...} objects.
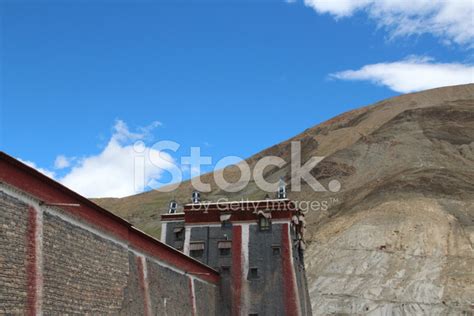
[{"x": 397, "y": 238}]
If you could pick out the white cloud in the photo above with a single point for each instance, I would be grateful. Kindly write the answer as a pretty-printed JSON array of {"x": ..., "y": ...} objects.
[
  {"x": 46, "y": 172},
  {"x": 412, "y": 74},
  {"x": 122, "y": 133},
  {"x": 114, "y": 171},
  {"x": 62, "y": 162},
  {"x": 450, "y": 20},
  {"x": 124, "y": 167}
]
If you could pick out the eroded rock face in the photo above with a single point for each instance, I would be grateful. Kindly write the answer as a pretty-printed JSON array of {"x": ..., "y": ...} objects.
[
  {"x": 400, "y": 239},
  {"x": 397, "y": 239},
  {"x": 399, "y": 257}
]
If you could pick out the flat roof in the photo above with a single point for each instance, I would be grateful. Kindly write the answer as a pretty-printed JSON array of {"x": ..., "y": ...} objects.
[{"x": 238, "y": 201}]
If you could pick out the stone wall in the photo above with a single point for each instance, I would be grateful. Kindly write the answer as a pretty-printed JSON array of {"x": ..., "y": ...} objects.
[
  {"x": 13, "y": 258},
  {"x": 266, "y": 289},
  {"x": 171, "y": 238},
  {"x": 52, "y": 262},
  {"x": 81, "y": 271},
  {"x": 205, "y": 298},
  {"x": 260, "y": 279}
]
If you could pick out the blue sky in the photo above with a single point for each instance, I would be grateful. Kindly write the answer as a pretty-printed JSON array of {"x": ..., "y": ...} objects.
[{"x": 231, "y": 77}]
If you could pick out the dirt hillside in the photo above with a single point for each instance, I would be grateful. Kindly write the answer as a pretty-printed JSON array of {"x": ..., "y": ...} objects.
[{"x": 397, "y": 238}]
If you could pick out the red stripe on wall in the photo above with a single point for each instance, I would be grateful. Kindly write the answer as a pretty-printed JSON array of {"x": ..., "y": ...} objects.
[
  {"x": 213, "y": 216},
  {"x": 143, "y": 285},
  {"x": 289, "y": 281},
  {"x": 236, "y": 269},
  {"x": 193, "y": 298},
  {"x": 173, "y": 257},
  {"x": 47, "y": 190},
  {"x": 31, "y": 264}
]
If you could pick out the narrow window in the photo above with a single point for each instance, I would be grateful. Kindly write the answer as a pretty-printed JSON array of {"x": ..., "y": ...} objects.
[
  {"x": 263, "y": 223},
  {"x": 225, "y": 269},
  {"x": 276, "y": 250},
  {"x": 224, "y": 248},
  {"x": 226, "y": 224},
  {"x": 178, "y": 233},
  {"x": 196, "y": 249},
  {"x": 224, "y": 252},
  {"x": 253, "y": 274}
]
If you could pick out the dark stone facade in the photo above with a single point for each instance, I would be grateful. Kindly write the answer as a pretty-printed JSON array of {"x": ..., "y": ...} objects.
[
  {"x": 262, "y": 272},
  {"x": 266, "y": 288}
]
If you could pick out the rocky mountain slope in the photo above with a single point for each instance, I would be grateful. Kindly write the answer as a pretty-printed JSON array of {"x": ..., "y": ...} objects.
[{"x": 397, "y": 238}]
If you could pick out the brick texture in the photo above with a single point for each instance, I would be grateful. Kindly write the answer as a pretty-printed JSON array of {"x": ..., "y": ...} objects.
[
  {"x": 82, "y": 272},
  {"x": 133, "y": 299},
  {"x": 13, "y": 255},
  {"x": 170, "y": 291},
  {"x": 206, "y": 298}
]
